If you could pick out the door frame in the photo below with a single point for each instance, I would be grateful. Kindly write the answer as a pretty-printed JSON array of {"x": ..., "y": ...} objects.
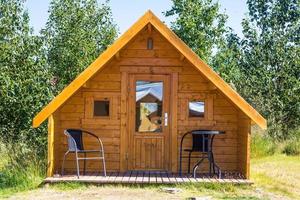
[
  {"x": 124, "y": 113},
  {"x": 132, "y": 133}
]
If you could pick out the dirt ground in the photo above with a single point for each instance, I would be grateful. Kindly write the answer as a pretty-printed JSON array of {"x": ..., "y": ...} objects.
[
  {"x": 94, "y": 192},
  {"x": 153, "y": 193}
]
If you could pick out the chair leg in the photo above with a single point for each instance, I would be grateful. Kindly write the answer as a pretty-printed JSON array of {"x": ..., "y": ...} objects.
[
  {"x": 77, "y": 164},
  {"x": 103, "y": 162},
  {"x": 189, "y": 163},
  {"x": 196, "y": 166},
  {"x": 63, "y": 163},
  {"x": 84, "y": 164}
]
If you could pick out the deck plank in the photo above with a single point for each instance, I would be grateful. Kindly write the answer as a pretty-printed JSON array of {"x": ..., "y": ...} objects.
[
  {"x": 172, "y": 178},
  {"x": 165, "y": 178},
  {"x": 185, "y": 178},
  {"x": 152, "y": 177},
  {"x": 126, "y": 177},
  {"x": 112, "y": 177},
  {"x": 139, "y": 178},
  {"x": 144, "y": 177},
  {"x": 133, "y": 177},
  {"x": 179, "y": 179},
  {"x": 159, "y": 177},
  {"x": 119, "y": 177}
]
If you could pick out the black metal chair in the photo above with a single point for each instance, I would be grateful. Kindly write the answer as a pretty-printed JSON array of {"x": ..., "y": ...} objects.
[
  {"x": 202, "y": 141},
  {"x": 75, "y": 145}
]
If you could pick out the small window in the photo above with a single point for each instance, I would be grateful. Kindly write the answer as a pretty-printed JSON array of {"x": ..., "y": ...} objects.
[
  {"x": 150, "y": 43},
  {"x": 101, "y": 108},
  {"x": 196, "y": 109}
]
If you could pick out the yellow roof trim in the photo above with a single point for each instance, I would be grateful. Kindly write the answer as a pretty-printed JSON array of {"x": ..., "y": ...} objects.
[{"x": 149, "y": 17}]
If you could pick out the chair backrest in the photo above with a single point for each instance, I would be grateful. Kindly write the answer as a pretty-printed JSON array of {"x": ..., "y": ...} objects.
[
  {"x": 74, "y": 135},
  {"x": 200, "y": 142}
]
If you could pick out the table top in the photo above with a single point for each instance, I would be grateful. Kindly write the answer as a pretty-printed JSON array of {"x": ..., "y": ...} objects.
[{"x": 207, "y": 132}]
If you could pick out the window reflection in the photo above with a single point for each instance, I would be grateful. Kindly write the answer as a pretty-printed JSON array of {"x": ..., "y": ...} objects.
[
  {"x": 149, "y": 106},
  {"x": 101, "y": 108},
  {"x": 196, "y": 109}
]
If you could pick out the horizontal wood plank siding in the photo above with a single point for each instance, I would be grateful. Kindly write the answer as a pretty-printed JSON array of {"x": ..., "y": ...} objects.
[{"x": 192, "y": 85}]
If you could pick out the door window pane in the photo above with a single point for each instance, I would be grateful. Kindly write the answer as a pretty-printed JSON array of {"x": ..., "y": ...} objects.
[
  {"x": 196, "y": 109},
  {"x": 149, "y": 97}
]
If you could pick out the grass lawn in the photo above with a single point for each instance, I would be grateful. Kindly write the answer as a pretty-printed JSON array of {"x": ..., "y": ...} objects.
[
  {"x": 279, "y": 174},
  {"x": 275, "y": 177}
]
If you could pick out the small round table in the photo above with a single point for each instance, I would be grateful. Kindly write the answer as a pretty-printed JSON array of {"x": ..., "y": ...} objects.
[{"x": 204, "y": 145}]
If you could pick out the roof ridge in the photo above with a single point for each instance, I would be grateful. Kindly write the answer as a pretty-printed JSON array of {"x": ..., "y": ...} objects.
[{"x": 109, "y": 53}]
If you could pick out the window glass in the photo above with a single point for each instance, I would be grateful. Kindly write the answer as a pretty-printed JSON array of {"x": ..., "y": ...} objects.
[
  {"x": 149, "y": 97},
  {"x": 101, "y": 108},
  {"x": 150, "y": 43},
  {"x": 196, "y": 109}
]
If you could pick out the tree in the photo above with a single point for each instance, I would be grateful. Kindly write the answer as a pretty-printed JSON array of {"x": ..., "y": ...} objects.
[
  {"x": 24, "y": 80},
  {"x": 270, "y": 64},
  {"x": 199, "y": 24},
  {"x": 226, "y": 61},
  {"x": 77, "y": 31}
]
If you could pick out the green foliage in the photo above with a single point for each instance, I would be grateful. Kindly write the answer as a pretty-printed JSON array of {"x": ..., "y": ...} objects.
[
  {"x": 262, "y": 146},
  {"x": 264, "y": 66},
  {"x": 292, "y": 147},
  {"x": 19, "y": 178},
  {"x": 75, "y": 34},
  {"x": 226, "y": 59},
  {"x": 19, "y": 174},
  {"x": 270, "y": 68},
  {"x": 24, "y": 78},
  {"x": 199, "y": 24}
]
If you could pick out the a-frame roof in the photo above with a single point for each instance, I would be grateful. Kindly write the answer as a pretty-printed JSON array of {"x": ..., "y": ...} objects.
[{"x": 147, "y": 18}]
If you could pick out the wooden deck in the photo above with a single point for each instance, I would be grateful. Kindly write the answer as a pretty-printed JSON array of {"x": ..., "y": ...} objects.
[{"x": 145, "y": 177}]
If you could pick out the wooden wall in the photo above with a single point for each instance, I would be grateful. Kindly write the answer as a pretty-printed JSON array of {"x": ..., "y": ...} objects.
[
  {"x": 244, "y": 131},
  {"x": 222, "y": 115},
  {"x": 163, "y": 59}
]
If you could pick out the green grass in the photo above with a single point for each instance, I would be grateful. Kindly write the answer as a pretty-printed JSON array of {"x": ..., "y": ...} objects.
[
  {"x": 68, "y": 186},
  {"x": 17, "y": 180},
  {"x": 278, "y": 173},
  {"x": 16, "y": 177},
  {"x": 275, "y": 175}
]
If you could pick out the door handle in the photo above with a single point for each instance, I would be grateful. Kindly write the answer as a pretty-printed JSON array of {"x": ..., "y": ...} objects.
[{"x": 166, "y": 119}]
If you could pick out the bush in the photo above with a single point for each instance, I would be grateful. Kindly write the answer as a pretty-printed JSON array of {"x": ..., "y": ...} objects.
[
  {"x": 262, "y": 146},
  {"x": 20, "y": 168},
  {"x": 292, "y": 147}
]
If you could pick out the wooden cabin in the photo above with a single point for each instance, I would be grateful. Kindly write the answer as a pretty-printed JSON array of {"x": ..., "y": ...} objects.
[{"x": 140, "y": 96}]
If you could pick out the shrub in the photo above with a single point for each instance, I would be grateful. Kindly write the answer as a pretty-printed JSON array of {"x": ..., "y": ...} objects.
[
  {"x": 262, "y": 146},
  {"x": 292, "y": 147},
  {"x": 20, "y": 168}
]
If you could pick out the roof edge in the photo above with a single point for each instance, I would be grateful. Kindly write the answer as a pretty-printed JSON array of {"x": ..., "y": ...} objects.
[
  {"x": 85, "y": 75},
  {"x": 207, "y": 71},
  {"x": 103, "y": 58}
]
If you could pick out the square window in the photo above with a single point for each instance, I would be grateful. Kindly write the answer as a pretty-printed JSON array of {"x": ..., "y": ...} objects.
[
  {"x": 196, "y": 108},
  {"x": 101, "y": 108}
]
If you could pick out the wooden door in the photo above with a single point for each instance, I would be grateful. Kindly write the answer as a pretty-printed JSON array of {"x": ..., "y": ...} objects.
[{"x": 149, "y": 122}]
